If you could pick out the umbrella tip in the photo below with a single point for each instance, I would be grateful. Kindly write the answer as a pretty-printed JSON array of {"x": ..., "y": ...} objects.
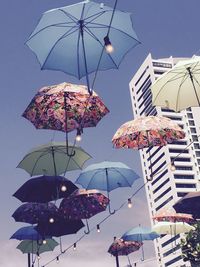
[{"x": 101, "y": 5}]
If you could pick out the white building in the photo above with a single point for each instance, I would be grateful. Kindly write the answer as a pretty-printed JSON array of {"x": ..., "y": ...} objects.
[{"x": 167, "y": 185}]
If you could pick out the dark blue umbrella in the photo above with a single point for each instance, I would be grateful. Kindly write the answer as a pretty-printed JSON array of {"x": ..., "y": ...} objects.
[
  {"x": 59, "y": 227},
  {"x": 45, "y": 189},
  {"x": 35, "y": 212},
  {"x": 107, "y": 176},
  {"x": 28, "y": 233},
  {"x": 72, "y": 38},
  {"x": 140, "y": 234}
]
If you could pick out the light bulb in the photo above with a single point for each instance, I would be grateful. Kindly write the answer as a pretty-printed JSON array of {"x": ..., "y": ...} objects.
[
  {"x": 129, "y": 203},
  {"x": 63, "y": 188},
  {"x": 74, "y": 247},
  {"x": 172, "y": 167},
  {"x": 51, "y": 220},
  {"x": 78, "y": 138},
  {"x": 98, "y": 228},
  {"x": 108, "y": 46},
  {"x": 38, "y": 256},
  {"x": 44, "y": 242},
  {"x": 57, "y": 259}
]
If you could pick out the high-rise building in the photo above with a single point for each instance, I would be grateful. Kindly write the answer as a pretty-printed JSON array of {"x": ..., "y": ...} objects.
[{"x": 167, "y": 185}]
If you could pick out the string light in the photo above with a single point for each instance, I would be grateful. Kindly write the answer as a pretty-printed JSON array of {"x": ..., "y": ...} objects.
[
  {"x": 44, "y": 242},
  {"x": 63, "y": 188},
  {"x": 98, "y": 228},
  {"x": 51, "y": 220},
  {"x": 78, "y": 135},
  {"x": 108, "y": 46},
  {"x": 172, "y": 167},
  {"x": 74, "y": 247},
  {"x": 57, "y": 259},
  {"x": 129, "y": 203},
  {"x": 38, "y": 255}
]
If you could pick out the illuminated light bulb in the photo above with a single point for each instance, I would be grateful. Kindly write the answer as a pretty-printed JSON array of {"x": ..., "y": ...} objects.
[
  {"x": 74, "y": 247},
  {"x": 172, "y": 167},
  {"x": 189, "y": 246},
  {"x": 102, "y": 5},
  {"x": 38, "y": 256},
  {"x": 108, "y": 46},
  {"x": 44, "y": 242},
  {"x": 63, "y": 188},
  {"x": 98, "y": 228},
  {"x": 78, "y": 135},
  {"x": 57, "y": 259},
  {"x": 129, "y": 203},
  {"x": 51, "y": 220}
]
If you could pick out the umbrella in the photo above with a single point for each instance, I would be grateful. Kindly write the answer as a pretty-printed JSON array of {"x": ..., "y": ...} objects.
[
  {"x": 60, "y": 227},
  {"x": 45, "y": 189},
  {"x": 189, "y": 204},
  {"x": 107, "y": 176},
  {"x": 123, "y": 248},
  {"x": 166, "y": 228},
  {"x": 35, "y": 247},
  {"x": 169, "y": 214},
  {"x": 83, "y": 204},
  {"x": 179, "y": 88},
  {"x": 65, "y": 107},
  {"x": 77, "y": 35},
  {"x": 35, "y": 212},
  {"x": 28, "y": 233},
  {"x": 51, "y": 159},
  {"x": 140, "y": 234},
  {"x": 148, "y": 131}
]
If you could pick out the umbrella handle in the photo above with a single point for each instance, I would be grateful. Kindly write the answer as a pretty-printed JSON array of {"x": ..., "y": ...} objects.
[
  {"x": 70, "y": 155},
  {"x": 111, "y": 212},
  {"x": 88, "y": 229}
]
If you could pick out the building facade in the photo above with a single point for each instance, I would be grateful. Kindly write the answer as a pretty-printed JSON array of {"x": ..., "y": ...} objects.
[{"x": 168, "y": 185}]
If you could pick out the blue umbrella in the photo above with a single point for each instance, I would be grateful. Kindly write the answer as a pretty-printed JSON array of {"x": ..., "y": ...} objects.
[
  {"x": 140, "y": 234},
  {"x": 28, "y": 233},
  {"x": 72, "y": 38},
  {"x": 107, "y": 176},
  {"x": 45, "y": 189}
]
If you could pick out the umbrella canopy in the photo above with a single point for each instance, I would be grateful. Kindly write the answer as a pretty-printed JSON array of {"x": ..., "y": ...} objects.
[
  {"x": 52, "y": 159},
  {"x": 35, "y": 247},
  {"x": 107, "y": 176},
  {"x": 190, "y": 203},
  {"x": 122, "y": 248},
  {"x": 170, "y": 215},
  {"x": 28, "y": 233},
  {"x": 171, "y": 228},
  {"x": 59, "y": 227},
  {"x": 179, "y": 88},
  {"x": 147, "y": 131},
  {"x": 139, "y": 234},
  {"x": 76, "y": 38},
  {"x": 65, "y": 107},
  {"x": 44, "y": 189},
  {"x": 83, "y": 204},
  {"x": 35, "y": 212}
]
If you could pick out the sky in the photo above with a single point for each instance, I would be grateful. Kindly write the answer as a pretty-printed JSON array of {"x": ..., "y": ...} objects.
[{"x": 165, "y": 28}]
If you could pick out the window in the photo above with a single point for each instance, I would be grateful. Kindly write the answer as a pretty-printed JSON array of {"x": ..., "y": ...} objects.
[
  {"x": 190, "y": 115},
  {"x": 164, "y": 203},
  {"x": 172, "y": 250},
  {"x": 195, "y": 138},
  {"x": 157, "y": 160},
  {"x": 145, "y": 89},
  {"x": 163, "y": 194},
  {"x": 154, "y": 153},
  {"x": 172, "y": 261},
  {"x": 193, "y": 130},
  {"x": 181, "y": 194},
  {"x": 167, "y": 110},
  {"x": 196, "y": 146},
  {"x": 180, "y": 185},
  {"x": 140, "y": 88},
  {"x": 161, "y": 185},
  {"x": 170, "y": 240},
  {"x": 180, "y": 176},
  {"x": 191, "y": 123},
  {"x": 184, "y": 168},
  {"x": 141, "y": 75},
  {"x": 181, "y": 159},
  {"x": 159, "y": 177},
  {"x": 147, "y": 99},
  {"x": 178, "y": 151},
  {"x": 180, "y": 142},
  {"x": 197, "y": 153},
  {"x": 159, "y": 167},
  {"x": 162, "y": 65},
  {"x": 173, "y": 118}
]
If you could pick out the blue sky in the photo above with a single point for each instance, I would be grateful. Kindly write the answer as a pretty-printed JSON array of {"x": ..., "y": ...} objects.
[{"x": 165, "y": 28}]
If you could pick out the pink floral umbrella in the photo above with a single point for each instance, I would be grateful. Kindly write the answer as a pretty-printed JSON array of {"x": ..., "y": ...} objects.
[
  {"x": 147, "y": 131},
  {"x": 83, "y": 204},
  {"x": 170, "y": 215},
  {"x": 65, "y": 107}
]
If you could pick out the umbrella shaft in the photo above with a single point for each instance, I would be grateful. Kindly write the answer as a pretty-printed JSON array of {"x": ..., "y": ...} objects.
[{"x": 192, "y": 80}]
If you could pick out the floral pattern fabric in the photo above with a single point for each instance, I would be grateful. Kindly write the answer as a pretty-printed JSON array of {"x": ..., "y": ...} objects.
[
  {"x": 122, "y": 248},
  {"x": 83, "y": 204},
  {"x": 147, "y": 131},
  {"x": 170, "y": 215},
  {"x": 47, "y": 109}
]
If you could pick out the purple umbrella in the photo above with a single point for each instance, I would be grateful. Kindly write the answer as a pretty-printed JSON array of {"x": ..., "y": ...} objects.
[
  {"x": 83, "y": 204},
  {"x": 36, "y": 212}
]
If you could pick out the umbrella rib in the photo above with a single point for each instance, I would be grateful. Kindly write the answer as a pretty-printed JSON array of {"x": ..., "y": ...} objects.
[
  {"x": 70, "y": 16},
  {"x": 54, "y": 45},
  {"x": 179, "y": 89},
  {"x": 78, "y": 61},
  {"x": 41, "y": 155},
  {"x": 122, "y": 176},
  {"x": 92, "y": 178},
  {"x": 94, "y": 16}
]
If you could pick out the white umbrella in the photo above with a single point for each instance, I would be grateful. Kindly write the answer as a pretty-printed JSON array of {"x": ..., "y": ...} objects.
[
  {"x": 170, "y": 228},
  {"x": 179, "y": 88}
]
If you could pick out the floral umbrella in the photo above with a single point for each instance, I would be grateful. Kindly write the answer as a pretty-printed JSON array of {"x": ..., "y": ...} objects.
[
  {"x": 147, "y": 131},
  {"x": 83, "y": 204},
  {"x": 169, "y": 214},
  {"x": 35, "y": 212},
  {"x": 123, "y": 248},
  {"x": 65, "y": 107}
]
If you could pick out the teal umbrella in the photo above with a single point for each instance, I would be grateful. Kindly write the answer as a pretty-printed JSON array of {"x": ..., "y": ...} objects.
[
  {"x": 35, "y": 247},
  {"x": 52, "y": 159}
]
